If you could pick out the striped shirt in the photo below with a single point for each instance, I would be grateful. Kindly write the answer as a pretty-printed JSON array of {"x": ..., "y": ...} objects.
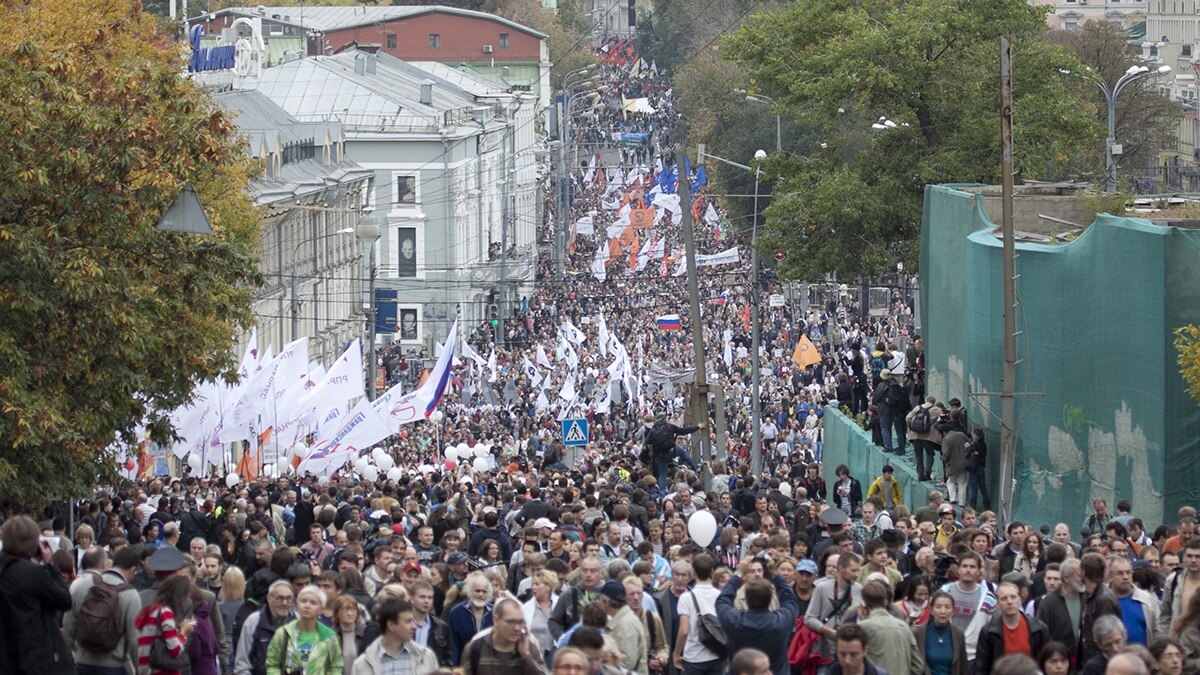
[
  {"x": 401, "y": 664},
  {"x": 152, "y": 622}
]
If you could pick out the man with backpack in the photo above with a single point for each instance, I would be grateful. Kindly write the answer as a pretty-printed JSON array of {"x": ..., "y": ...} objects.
[
  {"x": 99, "y": 629},
  {"x": 660, "y": 443},
  {"x": 891, "y": 400},
  {"x": 926, "y": 439}
]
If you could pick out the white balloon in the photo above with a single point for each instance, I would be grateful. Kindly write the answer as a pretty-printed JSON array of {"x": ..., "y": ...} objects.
[
  {"x": 426, "y": 468},
  {"x": 232, "y": 479},
  {"x": 269, "y": 470},
  {"x": 702, "y": 527},
  {"x": 482, "y": 451},
  {"x": 193, "y": 462},
  {"x": 376, "y": 453},
  {"x": 480, "y": 464},
  {"x": 371, "y": 474},
  {"x": 464, "y": 450},
  {"x": 385, "y": 461},
  {"x": 451, "y": 453},
  {"x": 302, "y": 450},
  {"x": 435, "y": 416},
  {"x": 395, "y": 473}
]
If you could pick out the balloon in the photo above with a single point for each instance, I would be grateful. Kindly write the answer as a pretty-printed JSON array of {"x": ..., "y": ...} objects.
[
  {"x": 371, "y": 474},
  {"x": 480, "y": 464},
  {"x": 232, "y": 479},
  {"x": 435, "y": 417},
  {"x": 193, "y": 462},
  {"x": 269, "y": 470},
  {"x": 385, "y": 461},
  {"x": 376, "y": 453},
  {"x": 395, "y": 473},
  {"x": 450, "y": 464},
  {"x": 426, "y": 468},
  {"x": 482, "y": 451},
  {"x": 451, "y": 454},
  {"x": 323, "y": 480},
  {"x": 302, "y": 450},
  {"x": 361, "y": 464},
  {"x": 464, "y": 450},
  {"x": 702, "y": 527}
]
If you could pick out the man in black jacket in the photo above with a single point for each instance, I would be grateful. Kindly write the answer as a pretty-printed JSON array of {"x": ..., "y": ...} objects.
[
  {"x": 1031, "y": 632},
  {"x": 432, "y": 632},
  {"x": 661, "y": 439}
]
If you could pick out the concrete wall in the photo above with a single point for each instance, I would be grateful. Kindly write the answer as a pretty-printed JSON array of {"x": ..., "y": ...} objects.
[{"x": 849, "y": 444}]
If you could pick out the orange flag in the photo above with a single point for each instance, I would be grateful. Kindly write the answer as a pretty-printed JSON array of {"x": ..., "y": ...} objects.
[
  {"x": 806, "y": 353},
  {"x": 635, "y": 247}
]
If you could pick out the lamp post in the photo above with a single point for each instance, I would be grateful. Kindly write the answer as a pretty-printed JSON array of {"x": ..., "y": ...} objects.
[
  {"x": 763, "y": 98},
  {"x": 564, "y": 171},
  {"x": 1110, "y": 97},
  {"x": 367, "y": 232},
  {"x": 295, "y": 304},
  {"x": 756, "y": 449}
]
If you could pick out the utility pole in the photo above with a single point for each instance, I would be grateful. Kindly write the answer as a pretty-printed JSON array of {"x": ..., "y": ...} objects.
[
  {"x": 1008, "y": 380},
  {"x": 700, "y": 397},
  {"x": 564, "y": 215}
]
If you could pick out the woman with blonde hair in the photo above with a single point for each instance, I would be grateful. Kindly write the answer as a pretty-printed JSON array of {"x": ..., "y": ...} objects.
[
  {"x": 537, "y": 609},
  {"x": 233, "y": 596}
]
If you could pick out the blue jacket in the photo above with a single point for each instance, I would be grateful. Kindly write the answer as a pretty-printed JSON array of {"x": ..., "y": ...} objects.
[
  {"x": 767, "y": 631},
  {"x": 462, "y": 627}
]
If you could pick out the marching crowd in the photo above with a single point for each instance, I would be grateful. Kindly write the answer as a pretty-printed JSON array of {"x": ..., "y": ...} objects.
[{"x": 628, "y": 557}]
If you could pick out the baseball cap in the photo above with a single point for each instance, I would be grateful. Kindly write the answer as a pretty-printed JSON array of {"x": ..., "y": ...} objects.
[
  {"x": 412, "y": 566},
  {"x": 1017, "y": 578},
  {"x": 807, "y": 566},
  {"x": 613, "y": 590},
  {"x": 165, "y": 559},
  {"x": 945, "y": 508},
  {"x": 543, "y": 522},
  {"x": 457, "y": 558}
]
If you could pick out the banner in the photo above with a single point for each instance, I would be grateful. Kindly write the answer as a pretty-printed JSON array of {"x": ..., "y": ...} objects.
[
  {"x": 357, "y": 430},
  {"x": 419, "y": 404},
  {"x": 726, "y": 257},
  {"x": 640, "y": 219}
]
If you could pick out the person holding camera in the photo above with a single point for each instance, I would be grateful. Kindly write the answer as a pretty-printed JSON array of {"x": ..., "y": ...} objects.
[{"x": 32, "y": 593}]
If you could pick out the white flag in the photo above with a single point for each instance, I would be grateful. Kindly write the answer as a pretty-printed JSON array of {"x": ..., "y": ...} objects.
[
  {"x": 542, "y": 360},
  {"x": 710, "y": 215},
  {"x": 358, "y": 429},
  {"x": 572, "y": 333},
  {"x": 400, "y": 410}
]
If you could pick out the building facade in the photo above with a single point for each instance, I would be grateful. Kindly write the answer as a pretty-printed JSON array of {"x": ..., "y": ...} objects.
[
  {"x": 311, "y": 195},
  {"x": 1072, "y": 14},
  {"x": 1173, "y": 38}
]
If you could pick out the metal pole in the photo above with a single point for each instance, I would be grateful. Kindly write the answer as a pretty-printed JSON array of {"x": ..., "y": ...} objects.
[
  {"x": 1008, "y": 381},
  {"x": 1110, "y": 161},
  {"x": 756, "y": 449},
  {"x": 778, "y": 135},
  {"x": 564, "y": 126},
  {"x": 371, "y": 372},
  {"x": 295, "y": 302},
  {"x": 689, "y": 243},
  {"x": 505, "y": 213}
]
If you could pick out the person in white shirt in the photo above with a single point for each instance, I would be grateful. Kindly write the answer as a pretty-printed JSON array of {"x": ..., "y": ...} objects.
[{"x": 690, "y": 656}]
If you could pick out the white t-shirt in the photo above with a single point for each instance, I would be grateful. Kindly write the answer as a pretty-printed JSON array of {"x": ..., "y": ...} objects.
[{"x": 706, "y": 595}]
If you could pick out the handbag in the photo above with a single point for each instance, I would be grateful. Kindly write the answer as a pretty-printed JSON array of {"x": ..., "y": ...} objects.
[
  {"x": 709, "y": 631},
  {"x": 160, "y": 657},
  {"x": 802, "y": 650}
]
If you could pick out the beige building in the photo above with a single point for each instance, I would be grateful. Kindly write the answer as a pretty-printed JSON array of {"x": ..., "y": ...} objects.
[
  {"x": 1071, "y": 14},
  {"x": 1173, "y": 39}
]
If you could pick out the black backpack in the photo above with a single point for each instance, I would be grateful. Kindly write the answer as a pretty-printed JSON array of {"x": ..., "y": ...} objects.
[
  {"x": 892, "y": 396},
  {"x": 97, "y": 628},
  {"x": 710, "y": 632},
  {"x": 921, "y": 422},
  {"x": 660, "y": 439}
]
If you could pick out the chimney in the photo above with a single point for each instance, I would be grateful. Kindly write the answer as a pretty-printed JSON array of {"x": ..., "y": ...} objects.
[
  {"x": 427, "y": 92},
  {"x": 371, "y": 59},
  {"x": 360, "y": 64}
]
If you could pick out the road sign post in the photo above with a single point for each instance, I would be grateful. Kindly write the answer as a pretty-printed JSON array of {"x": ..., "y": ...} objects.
[{"x": 575, "y": 431}]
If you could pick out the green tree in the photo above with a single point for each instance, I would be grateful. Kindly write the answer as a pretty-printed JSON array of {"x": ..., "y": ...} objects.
[
  {"x": 1187, "y": 343},
  {"x": 104, "y": 320},
  {"x": 570, "y": 49},
  {"x": 852, "y": 203},
  {"x": 1146, "y": 121}
]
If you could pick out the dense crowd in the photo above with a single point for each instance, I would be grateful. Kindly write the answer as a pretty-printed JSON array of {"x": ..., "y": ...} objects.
[{"x": 626, "y": 556}]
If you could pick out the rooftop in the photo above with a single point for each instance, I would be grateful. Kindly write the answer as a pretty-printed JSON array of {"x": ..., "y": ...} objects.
[{"x": 326, "y": 19}]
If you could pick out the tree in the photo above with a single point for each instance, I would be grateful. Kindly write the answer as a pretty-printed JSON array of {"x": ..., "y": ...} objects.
[
  {"x": 852, "y": 204},
  {"x": 673, "y": 31},
  {"x": 104, "y": 320},
  {"x": 1146, "y": 121},
  {"x": 1187, "y": 343},
  {"x": 569, "y": 49}
]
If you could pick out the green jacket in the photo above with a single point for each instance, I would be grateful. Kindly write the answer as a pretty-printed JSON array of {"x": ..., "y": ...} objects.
[
  {"x": 325, "y": 658},
  {"x": 891, "y": 644}
]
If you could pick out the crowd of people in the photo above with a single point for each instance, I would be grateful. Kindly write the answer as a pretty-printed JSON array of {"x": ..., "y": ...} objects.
[{"x": 629, "y": 556}]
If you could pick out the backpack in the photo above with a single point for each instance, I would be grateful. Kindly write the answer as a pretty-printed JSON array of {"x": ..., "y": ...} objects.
[
  {"x": 892, "y": 396},
  {"x": 921, "y": 422},
  {"x": 709, "y": 631},
  {"x": 660, "y": 438},
  {"x": 878, "y": 363},
  {"x": 97, "y": 628}
]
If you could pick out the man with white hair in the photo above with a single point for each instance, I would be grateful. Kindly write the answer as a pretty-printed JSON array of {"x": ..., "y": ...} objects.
[
  {"x": 471, "y": 616},
  {"x": 1110, "y": 635},
  {"x": 1126, "y": 663}
]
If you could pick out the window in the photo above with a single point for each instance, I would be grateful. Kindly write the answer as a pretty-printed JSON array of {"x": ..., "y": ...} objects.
[
  {"x": 435, "y": 41},
  {"x": 1186, "y": 50},
  {"x": 504, "y": 41},
  {"x": 406, "y": 190},
  {"x": 391, "y": 40}
]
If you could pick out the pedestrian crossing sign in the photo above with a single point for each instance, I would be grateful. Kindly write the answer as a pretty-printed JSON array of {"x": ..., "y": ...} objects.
[{"x": 575, "y": 431}]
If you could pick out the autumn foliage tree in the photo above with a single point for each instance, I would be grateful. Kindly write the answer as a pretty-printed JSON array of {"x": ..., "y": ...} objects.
[{"x": 106, "y": 321}]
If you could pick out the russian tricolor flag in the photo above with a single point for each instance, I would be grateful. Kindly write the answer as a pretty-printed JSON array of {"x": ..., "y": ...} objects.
[{"x": 669, "y": 322}]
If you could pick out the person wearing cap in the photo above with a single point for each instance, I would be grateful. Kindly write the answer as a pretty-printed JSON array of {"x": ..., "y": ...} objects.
[
  {"x": 457, "y": 562},
  {"x": 946, "y": 527},
  {"x": 834, "y": 521},
  {"x": 1010, "y": 631},
  {"x": 806, "y": 577},
  {"x": 891, "y": 400},
  {"x": 625, "y": 628}
]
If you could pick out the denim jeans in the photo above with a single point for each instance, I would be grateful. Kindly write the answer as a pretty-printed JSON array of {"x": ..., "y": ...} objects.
[
  {"x": 83, "y": 669},
  {"x": 888, "y": 422},
  {"x": 977, "y": 486},
  {"x": 714, "y": 667}
]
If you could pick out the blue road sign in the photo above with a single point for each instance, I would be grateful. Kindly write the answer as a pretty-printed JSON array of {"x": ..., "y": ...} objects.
[{"x": 574, "y": 431}]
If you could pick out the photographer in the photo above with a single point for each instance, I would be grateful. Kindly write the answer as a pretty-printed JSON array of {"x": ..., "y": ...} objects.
[{"x": 32, "y": 593}]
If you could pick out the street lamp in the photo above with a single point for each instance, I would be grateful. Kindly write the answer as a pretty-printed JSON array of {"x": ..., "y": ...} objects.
[
  {"x": 295, "y": 287},
  {"x": 367, "y": 232},
  {"x": 564, "y": 127},
  {"x": 763, "y": 98},
  {"x": 756, "y": 449},
  {"x": 1110, "y": 97}
]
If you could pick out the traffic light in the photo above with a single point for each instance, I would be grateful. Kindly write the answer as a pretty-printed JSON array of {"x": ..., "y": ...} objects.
[{"x": 493, "y": 314}]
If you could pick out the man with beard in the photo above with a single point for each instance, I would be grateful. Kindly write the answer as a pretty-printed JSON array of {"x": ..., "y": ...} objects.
[
  {"x": 469, "y": 617},
  {"x": 1061, "y": 609}
]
